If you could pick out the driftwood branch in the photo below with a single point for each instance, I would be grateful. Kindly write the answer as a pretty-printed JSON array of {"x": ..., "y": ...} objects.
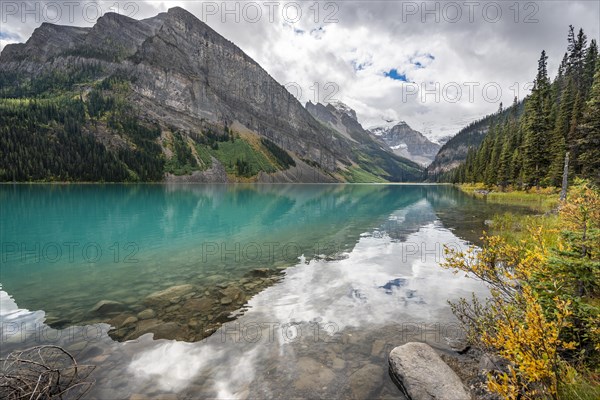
[{"x": 42, "y": 373}]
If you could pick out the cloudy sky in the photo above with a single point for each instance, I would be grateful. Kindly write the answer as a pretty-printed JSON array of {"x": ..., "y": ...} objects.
[{"x": 437, "y": 65}]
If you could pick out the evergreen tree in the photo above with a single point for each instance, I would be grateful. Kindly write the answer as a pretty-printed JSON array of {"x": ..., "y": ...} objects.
[
  {"x": 591, "y": 59},
  {"x": 536, "y": 126},
  {"x": 560, "y": 133},
  {"x": 577, "y": 55},
  {"x": 589, "y": 133},
  {"x": 506, "y": 166}
]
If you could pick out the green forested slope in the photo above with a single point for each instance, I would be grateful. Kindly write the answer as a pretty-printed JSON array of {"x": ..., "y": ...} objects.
[{"x": 560, "y": 116}]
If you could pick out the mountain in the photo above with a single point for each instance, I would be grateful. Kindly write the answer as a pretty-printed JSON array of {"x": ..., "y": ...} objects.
[
  {"x": 372, "y": 154},
  {"x": 454, "y": 152},
  {"x": 165, "y": 98},
  {"x": 443, "y": 140},
  {"x": 406, "y": 142}
]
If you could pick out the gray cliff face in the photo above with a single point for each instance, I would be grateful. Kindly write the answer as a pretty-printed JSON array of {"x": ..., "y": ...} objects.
[
  {"x": 343, "y": 119},
  {"x": 116, "y": 37},
  {"x": 46, "y": 42},
  {"x": 407, "y": 142},
  {"x": 194, "y": 70},
  {"x": 180, "y": 65}
]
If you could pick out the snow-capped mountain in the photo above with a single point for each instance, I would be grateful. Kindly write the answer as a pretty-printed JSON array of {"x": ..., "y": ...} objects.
[
  {"x": 406, "y": 142},
  {"x": 344, "y": 109}
]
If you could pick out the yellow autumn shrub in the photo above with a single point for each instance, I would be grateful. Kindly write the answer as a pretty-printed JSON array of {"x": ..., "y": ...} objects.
[{"x": 542, "y": 311}]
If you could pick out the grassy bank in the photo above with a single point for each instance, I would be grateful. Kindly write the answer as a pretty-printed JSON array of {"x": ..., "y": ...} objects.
[
  {"x": 541, "y": 200},
  {"x": 543, "y": 315}
]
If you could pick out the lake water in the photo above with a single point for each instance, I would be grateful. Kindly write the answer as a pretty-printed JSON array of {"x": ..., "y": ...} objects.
[{"x": 324, "y": 281}]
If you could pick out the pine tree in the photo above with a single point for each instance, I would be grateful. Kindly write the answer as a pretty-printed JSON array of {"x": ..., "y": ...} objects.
[
  {"x": 536, "y": 126},
  {"x": 574, "y": 136},
  {"x": 509, "y": 145},
  {"x": 589, "y": 68},
  {"x": 560, "y": 132},
  {"x": 589, "y": 133},
  {"x": 577, "y": 55}
]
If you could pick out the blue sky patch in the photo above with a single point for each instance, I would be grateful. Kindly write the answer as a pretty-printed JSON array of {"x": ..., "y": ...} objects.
[
  {"x": 8, "y": 35},
  {"x": 395, "y": 75}
]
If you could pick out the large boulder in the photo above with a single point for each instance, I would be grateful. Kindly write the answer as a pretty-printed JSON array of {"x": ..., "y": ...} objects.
[{"x": 423, "y": 375}]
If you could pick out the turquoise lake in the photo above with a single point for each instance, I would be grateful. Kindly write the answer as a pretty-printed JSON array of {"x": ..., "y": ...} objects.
[{"x": 267, "y": 286}]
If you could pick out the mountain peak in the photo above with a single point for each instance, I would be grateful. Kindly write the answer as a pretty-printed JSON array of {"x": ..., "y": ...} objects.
[
  {"x": 114, "y": 15},
  {"x": 386, "y": 124},
  {"x": 183, "y": 14},
  {"x": 406, "y": 142},
  {"x": 343, "y": 109},
  {"x": 46, "y": 41}
]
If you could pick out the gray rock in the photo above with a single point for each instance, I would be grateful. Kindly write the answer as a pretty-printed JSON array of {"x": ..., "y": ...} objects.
[
  {"x": 222, "y": 317},
  {"x": 201, "y": 306},
  {"x": 169, "y": 295},
  {"x": 312, "y": 374},
  {"x": 458, "y": 344},
  {"x": 130, "y": 321},
  {"x": 491, "y": 362},
  {"x": 233, "y": 292},
  {"x": 338, "y": 363},
  {"x": 160, "y": 329},
  {"x": 146, "y": 314},
  {"x": 364, "y": 382},
  {"x": 107, "y": 307},
  {"x": 261, "y": 272},
  {"x": 423, "y": 375},
  {"x": 226, "y": 301}
]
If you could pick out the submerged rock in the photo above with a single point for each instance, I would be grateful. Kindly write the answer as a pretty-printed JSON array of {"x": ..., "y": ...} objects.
[
  {"x": 169, "y": 295},
  {"x": 226, "y": 301},
  {"x": 233, "y": 292},
  {"x": 146, "y": 314},
  {"x": 108, "y": 307},
  {"x": 365, "y": 381},
  {"x": 312, "y": 374},
  {"x": 160, "y": 329},
  {"x": 130, "y": 320},
  {"x": 263, "y": 272},
  {"x": 199, "y": 306},
  {"x": 422, "y": 374}
]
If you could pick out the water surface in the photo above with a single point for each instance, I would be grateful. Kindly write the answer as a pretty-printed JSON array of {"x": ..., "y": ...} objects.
[{"x": 361, "y": 277}]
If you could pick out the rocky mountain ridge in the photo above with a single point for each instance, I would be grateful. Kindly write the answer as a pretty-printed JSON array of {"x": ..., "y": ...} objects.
[
  {"x": 407, "y": 142},
  {"x": 341, "y": 118},
  {"x": 454, "y": 152},
  {"x": 189, "y": 80}
]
